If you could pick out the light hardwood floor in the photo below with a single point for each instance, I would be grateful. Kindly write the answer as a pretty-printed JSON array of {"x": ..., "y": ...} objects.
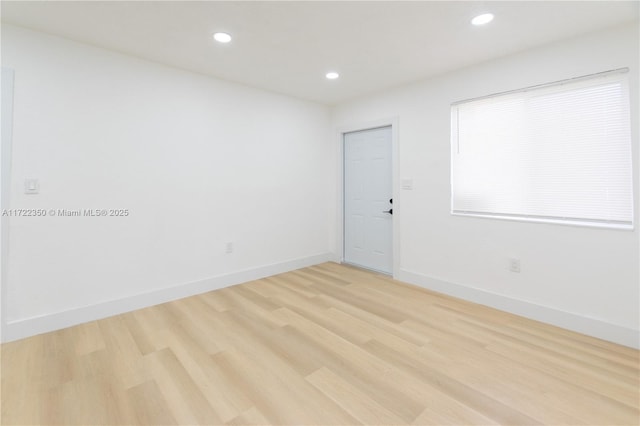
[{"x": 324, "y": 345}]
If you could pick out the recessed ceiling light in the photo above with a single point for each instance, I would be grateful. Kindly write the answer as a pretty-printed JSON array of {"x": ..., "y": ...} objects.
[
  {"x": 485, "y": 18},
  {"x": 222, "y": 37},
  {"x": 332, "y": 75}
]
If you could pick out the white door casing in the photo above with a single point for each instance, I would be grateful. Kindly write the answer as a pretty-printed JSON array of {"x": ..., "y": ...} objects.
[
  {"x": 6, "y": 115},
  {"x": 368, "y": 229}
]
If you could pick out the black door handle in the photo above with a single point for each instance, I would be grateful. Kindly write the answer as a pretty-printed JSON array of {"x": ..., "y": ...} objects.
[{"x": 390, "y": 211}]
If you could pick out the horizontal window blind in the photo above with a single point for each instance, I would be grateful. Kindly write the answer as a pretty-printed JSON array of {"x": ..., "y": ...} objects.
[{"x": 559, "y": 152}]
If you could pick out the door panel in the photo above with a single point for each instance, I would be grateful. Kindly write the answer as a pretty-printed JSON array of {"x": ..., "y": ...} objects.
[{"x": 367, "y": 190}]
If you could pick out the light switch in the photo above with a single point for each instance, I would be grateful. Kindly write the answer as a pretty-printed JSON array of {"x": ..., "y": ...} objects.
[
  {"x": 407, "y": 183},
  {"x": 31, "y": 186}
]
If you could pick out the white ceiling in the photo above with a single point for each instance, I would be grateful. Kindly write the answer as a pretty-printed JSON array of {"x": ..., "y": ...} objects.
[{"x": 288, "y": 46}]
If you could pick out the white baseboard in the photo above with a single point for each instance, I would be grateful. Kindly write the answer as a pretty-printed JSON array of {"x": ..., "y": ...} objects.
[
  {"x": 27, "y": 327},
  {"x": 579, "y": 323}
]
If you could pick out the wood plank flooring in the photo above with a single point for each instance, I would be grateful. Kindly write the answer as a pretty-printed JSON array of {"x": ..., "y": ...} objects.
[{"x": 325, "y": 345}]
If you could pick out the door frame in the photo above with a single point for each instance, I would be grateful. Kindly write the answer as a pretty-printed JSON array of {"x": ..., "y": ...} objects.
[
  {"x": 395, "y": 181},
  {"x": 7, "y": 85}
]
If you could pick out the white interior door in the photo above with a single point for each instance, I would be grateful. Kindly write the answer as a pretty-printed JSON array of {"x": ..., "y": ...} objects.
[{"x": 368, "y": 225}]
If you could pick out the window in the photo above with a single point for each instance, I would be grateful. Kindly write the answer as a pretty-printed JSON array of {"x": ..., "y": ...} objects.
[{"x": 559, "y": 153}]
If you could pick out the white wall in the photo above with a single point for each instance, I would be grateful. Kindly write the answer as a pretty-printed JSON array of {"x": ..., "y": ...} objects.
[
  {"x": 582, "y": 278},
  {"x": 197, "y": 161},
  {"x": 200, "y": 162}
]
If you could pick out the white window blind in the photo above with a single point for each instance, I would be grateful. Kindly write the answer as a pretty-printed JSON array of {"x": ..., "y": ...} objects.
[{"x": 559, "y": 152}]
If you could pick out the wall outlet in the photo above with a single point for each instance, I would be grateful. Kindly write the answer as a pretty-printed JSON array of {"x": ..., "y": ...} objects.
[
  {"x": 514, "y": 265},
  {"x": 228, "y": 248}
]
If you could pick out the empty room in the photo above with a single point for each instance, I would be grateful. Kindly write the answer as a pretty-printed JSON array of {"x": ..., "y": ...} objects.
[{"x": 320, "y": 213}]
